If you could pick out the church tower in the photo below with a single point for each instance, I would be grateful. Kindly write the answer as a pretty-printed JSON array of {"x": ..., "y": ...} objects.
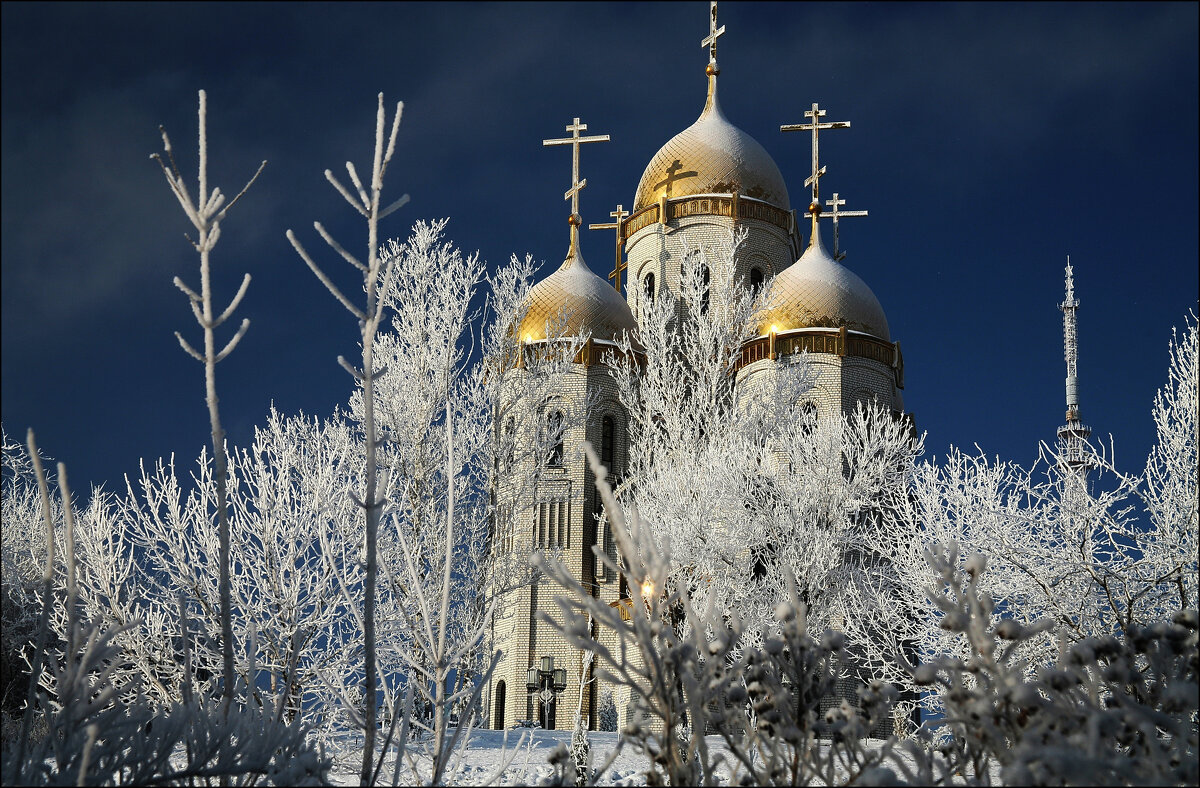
[
  {"x": 555, "y": 513},
  {"x": 708, "y": 179},
  {"x": 820, "y": 307}
]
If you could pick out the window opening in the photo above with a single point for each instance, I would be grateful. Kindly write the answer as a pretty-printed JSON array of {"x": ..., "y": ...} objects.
[
  {"x": 554, "y": 434},
  {"x": 608, "y": 430}
]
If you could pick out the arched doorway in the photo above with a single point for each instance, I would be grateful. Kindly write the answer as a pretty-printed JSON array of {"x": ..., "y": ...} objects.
[{"x": 500, "y": 706}]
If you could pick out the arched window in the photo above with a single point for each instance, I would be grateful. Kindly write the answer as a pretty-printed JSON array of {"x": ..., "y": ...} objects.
[
  {"x": 705, "y": 276},
  {"x": 756, "y": 279},
  {"x": 554, "y": 437},
  {"x": 648, "y": 286},
  {"x": 500, "y": 688},
  {"x": 608, "y": 439}
]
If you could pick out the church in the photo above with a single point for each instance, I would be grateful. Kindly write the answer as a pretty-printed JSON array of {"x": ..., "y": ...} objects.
[{"x": 709, "y": 180}]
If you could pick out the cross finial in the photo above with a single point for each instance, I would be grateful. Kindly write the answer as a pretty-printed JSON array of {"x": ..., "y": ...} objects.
[
  {"x": 836, "y": 214},
  {"x": 618, "y": 266},
  {"x": 572, "y": 193},
  {"x": 713, "y": 33},
  {"x": 816, "y": 113}
]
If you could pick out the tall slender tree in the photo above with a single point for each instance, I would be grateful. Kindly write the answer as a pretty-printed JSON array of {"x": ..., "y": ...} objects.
[{"x": 206, "y": 214}]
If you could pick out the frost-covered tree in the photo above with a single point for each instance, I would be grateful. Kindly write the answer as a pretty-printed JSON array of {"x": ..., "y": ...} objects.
[
  {"x": 103, "y": 730},
  {"x": 289, "y": 521},
  {"x": 699, "y": 455},
  {"x": 451, "y": 426},
  {"x": 1169, "y": 484},
  {"x": 745, "y": 483},
  {"x": 206, "y": 213},
  {"x": 144, "y": 556},
  {"x": 377, "y": 275},
  {"x": 22, "y": 568},
  {"x": 435, "y": 524},
  {"x": 699, "y": 676},
  {"x": 1097, "y": 555}
]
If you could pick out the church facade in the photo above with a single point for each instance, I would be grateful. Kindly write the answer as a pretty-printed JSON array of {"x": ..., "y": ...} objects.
[{"x": 706, "y": 182}]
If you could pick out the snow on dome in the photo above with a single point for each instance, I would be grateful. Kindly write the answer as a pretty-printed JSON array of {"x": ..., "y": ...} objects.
[
  {"x": 712, "y": 156},
  {"x": 586, "y": 302},
  {"x": 818, "y": 292}
]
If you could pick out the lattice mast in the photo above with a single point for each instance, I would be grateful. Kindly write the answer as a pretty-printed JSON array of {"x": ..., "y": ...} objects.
[{"x": 1072, "y": 436}]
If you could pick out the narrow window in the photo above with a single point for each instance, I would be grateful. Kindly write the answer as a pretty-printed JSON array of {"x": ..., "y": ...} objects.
[
  {"x": 756, "y": 279},
  {"x": 704, "y": 277},
  {"x": 648, "y": 286},
  {"x": 509, "y": 442},
  {"x": 607, "y": 440},
  {"x": 554, "y": 435},
  {"x": 610, "y": 547}
]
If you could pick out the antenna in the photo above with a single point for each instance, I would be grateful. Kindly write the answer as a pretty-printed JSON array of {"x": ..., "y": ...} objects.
[{"x": 1072, "y": 436}]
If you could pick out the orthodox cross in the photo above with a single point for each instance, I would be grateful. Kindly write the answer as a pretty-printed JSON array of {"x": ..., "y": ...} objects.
[
  {"x": 713, "y": 32},
  {"x": 835, "y": 214},
  {"x": 674, "y": 174},
  {"x": 619, "y": 266},
  {"x": 574, "y": 141},
  {"x": 817, "y": 170}
]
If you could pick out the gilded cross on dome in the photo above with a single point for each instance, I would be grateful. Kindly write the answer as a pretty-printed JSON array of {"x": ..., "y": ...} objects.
[
  {"x": 574, "y": 141},
  {"x": 816, "y": 113},
  {"x": 713, "y": 32},
  {"x": 619, "y": 266},
  {"x": 837, "y": 214}
]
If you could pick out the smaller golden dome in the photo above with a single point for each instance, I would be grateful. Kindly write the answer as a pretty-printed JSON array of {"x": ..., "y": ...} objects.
[
  {"x": 818, "y": 292},
  {"x": 580, "y": 300}
]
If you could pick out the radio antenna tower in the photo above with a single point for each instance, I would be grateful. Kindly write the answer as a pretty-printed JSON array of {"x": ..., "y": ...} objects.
[{"x": 1072, "y": 436}]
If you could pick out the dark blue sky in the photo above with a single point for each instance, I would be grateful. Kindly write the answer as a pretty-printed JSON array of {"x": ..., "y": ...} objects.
[{"x": 988, "y": 142}]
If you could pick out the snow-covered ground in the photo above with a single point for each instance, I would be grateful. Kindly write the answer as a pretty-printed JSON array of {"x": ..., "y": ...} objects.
[
  {"x": 521, "y": 757},
  {"x": 526, "y": 753}
]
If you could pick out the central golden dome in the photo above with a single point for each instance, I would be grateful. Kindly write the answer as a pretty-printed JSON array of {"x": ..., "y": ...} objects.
[{"x": 712, "y": 156}]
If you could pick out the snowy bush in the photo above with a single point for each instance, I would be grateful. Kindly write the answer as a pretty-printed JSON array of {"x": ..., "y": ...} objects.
[{"x": 1108, "y": 711}]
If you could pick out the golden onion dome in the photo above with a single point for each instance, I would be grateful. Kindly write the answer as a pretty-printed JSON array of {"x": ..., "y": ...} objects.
[
  {"x": 712, "y": 156},
  {"x": 577, "y": 299},
  {"x": 816, "y": 291}
]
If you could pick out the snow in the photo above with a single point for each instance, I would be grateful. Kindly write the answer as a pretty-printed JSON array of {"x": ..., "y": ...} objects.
[{"x": 529, "y": 751}]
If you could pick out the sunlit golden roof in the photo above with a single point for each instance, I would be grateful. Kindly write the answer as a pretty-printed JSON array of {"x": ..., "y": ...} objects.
[
  {"x": 712, "y": 156},
  {"x": 577, "y": 300},
  {"x": 818, "y": 292}
]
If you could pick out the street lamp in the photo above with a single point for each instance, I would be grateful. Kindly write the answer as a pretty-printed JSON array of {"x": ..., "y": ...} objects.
[{"x": 547, "y": 682}]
